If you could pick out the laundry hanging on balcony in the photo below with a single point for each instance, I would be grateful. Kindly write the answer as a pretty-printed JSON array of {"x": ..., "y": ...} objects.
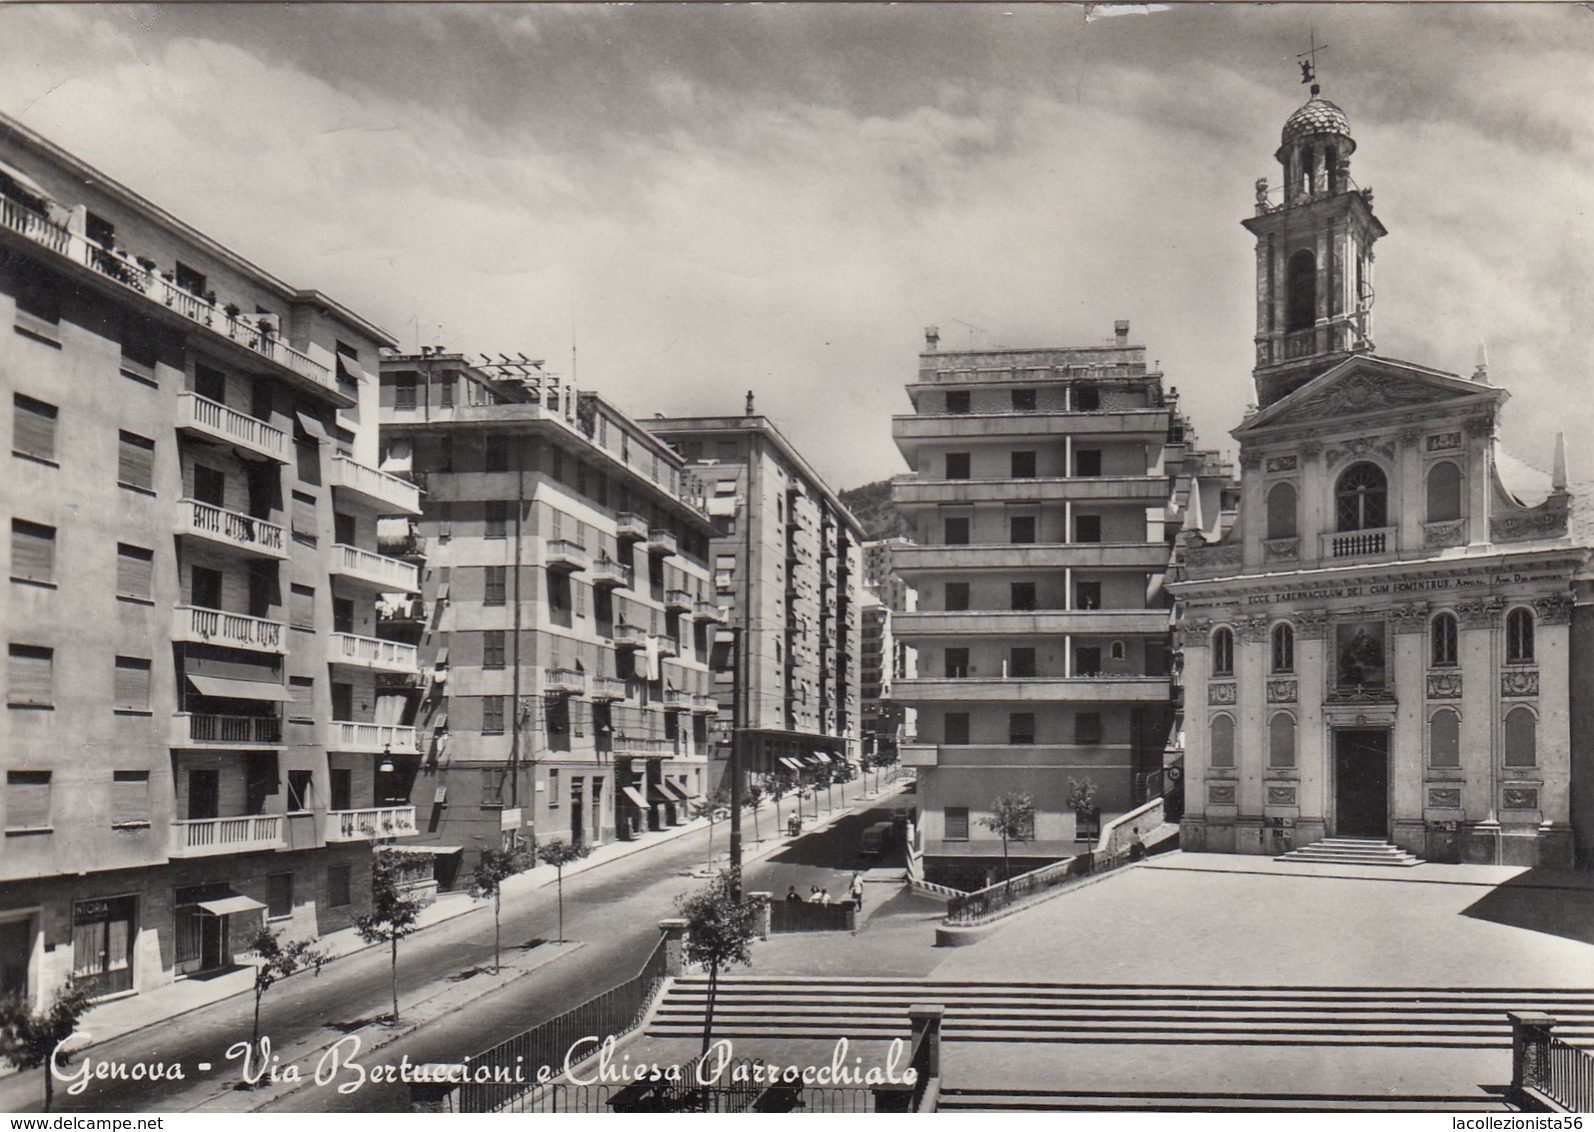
[{"x": 647, "y": 660}]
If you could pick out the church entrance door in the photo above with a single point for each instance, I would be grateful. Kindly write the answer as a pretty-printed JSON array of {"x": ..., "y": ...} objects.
[{"x": 1361, "y": 783}]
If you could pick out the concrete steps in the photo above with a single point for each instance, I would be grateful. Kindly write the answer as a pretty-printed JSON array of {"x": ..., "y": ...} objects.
[
  {"x": 1014, "y": 1100},
  {"x": 1351, "y": 851}
]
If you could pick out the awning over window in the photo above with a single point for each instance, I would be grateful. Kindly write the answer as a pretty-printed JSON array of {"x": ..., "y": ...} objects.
[
  {"x": 241, "y": 689},
  {"x": 820, "y": 756},
  {"x": 350, "y": 369},
  {"x": 24, "y": 182},
  {"x": 722, "y": 505},
  {"x": 228, "y": 905},
  {"x": 634, "y": 797},
  {"x": 400, "y": 455},
  {"x": 311, "y": 426},
  {"x": 675, "y": 793},
  {"x": 791, "y": 764},
  {"x": 658, "y": 794}
]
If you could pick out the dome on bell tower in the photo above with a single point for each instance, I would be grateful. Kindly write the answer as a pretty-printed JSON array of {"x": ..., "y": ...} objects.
[{"x": 1318, "y": 116}]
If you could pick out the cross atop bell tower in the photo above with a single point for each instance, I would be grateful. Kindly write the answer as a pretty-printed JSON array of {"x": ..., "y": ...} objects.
[{"x": 1314, "y": 251}]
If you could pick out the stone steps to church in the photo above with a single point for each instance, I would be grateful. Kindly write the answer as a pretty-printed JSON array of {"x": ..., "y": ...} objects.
[
  {"x": 1015, "y": 1100},
  {"x": 1351, "y": 851}
]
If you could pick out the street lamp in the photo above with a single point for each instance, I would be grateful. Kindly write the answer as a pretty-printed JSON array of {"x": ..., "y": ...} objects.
[{"x": 386, "y": 766}]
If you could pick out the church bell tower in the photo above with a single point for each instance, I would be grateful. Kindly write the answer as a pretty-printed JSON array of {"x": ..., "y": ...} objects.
[{"x": 1314, "y": 255}]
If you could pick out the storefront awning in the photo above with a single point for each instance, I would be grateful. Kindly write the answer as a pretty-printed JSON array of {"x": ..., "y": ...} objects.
[
  {"x": 676, "y": 794},
  {"x": 634, "y": 797},
  {"x": 240, "y": 689},
  {"x": 658, "y": 794},
  {"x": 820, "y": 756},
  {"x": 791, "y": 764},
  {"x": 227, "y": 905}
]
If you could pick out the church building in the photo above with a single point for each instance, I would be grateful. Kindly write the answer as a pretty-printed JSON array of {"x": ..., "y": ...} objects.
[{"x": 1379, "y": 649}]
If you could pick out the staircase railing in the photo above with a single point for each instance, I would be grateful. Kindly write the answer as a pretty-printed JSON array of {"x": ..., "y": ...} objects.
[{"x": 1548, "y": 1074}]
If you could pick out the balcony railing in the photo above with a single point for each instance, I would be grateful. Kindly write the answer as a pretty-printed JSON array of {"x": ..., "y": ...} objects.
[
  {"x": 630, "y": 637},
  {"x": 662, "y": 542},
  {"x": 391, "y": 494},
  {"x": 608, "y": 688},
  {"x": 1359, "y": 544},
  {"x": 226, "y": 730},
  {"x": 706, "y": 705},
  {"x": 677, "y": 700},
  {"x": 630, "y": 528},
  {"x": 211, "y": 837},
  {"x": 563, "y": 554},
  {"x": 566, "y": 680},
  {"x": 370, "y": 652},
  {"x": 230, "y": 528},
  {"x": 214, "y": 627},
  {"x": 668, "y": 646},
  {"x": 371, "y": 824},
  {"x": 202, "y": 415},
  {"x": 375, "y": 569},
  {"x": 678, "y": 600},
  {"x": 708, "y": 611},
  {"x": 607, "y": 573},
  {"x": 135, "y": 278},
  {"x": 374, "y": 738}
]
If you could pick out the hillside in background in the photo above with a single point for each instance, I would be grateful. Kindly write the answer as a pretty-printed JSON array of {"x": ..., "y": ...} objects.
[{"x": 871, "y": 504}]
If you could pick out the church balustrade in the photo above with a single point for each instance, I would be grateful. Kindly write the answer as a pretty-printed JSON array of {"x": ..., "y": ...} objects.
[{"x": 1359, "y": 544}]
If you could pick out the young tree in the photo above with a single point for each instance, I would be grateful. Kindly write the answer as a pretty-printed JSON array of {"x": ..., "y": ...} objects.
[
  {"x": 753, "y": 797},
  {"x": 1081, "y": 797},
  {"x": 29, "y": 1038},
  {"x": 395, "y": 911},
  {"x": 713, "y": 809},
  {"x": 486, "y": 883},
  {"x": 720, "y": 929},
  {"x": 1012, "y": 819},
  {"x": 278, "y": 960},
  {"x": 778, "y": 785},
  {"x": 558, "y": 852}
]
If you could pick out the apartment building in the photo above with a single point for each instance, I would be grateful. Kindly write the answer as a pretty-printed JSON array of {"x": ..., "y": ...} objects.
[
  {"x": 191, "y": 736},
  {"x": 565, "y": 618},
  {"x": 1040, "y": 499},
  {"x": 787, "y": 559},
  {"x": 884, "y": 657}
]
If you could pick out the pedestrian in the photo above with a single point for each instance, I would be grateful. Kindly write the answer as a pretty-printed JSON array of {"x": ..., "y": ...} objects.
[
  {"x": 793, "y": 896},
  {"x": 824, "y": 896},
  {"x": 857, "y": 890}
]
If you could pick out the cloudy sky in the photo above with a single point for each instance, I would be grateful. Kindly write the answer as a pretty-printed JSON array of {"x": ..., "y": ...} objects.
[{"x": 780, "y": 198}]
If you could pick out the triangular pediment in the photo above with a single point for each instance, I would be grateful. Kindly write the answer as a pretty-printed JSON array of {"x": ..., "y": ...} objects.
[{"x": 1371, "y": 386}]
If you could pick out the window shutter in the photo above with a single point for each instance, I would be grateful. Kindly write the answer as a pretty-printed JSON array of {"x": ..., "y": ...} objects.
[
  {"x": 304, "y": 521},
  {"x": 30, "y": 676},
  {"x": 132, "y": 684},
  {"x": 957, "y": 823},
  {"x": 301, "y": 607},
  {"x": 27, "y": 799},
  {"x": 302, "y": 688},
  {"x": 135, "y": 465},
  {"x": 130, "y": 797},
  {"x": 32, "y": 551},
  {"x": 135, "y": 571},
  {"x": 33, "y": 427}
]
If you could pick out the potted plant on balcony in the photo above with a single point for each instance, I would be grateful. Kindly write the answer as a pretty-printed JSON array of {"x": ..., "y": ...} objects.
[{"x": 210, "y": 302}]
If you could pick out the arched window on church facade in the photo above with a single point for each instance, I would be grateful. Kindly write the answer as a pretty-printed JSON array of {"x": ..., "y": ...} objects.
[
  {"x": 1283, "y": 647},
  {"x": 1444, "y": 492},
  {"x": 1300, "y": 294},
  {"x": 1521, "y": 737},
  {"x": 1442, "y": 638},
  {"x": 1281, "y": 740},
  {"x": 1281, "y": 511},
  {"x": 1223, "y": 653},
  {"x": 1361, "y": 498},
  {"x": 1444, "y": 738},
  {"x": 1222, "y": 744},
  {"x": 1519, "y": 637}
]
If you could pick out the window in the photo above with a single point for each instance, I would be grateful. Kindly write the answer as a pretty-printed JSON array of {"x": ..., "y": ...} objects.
[
  {"x": 957, "y": 401},
  {"x": 1087, "y": 727},
  {"x": 497, "y": 525},
  {"x": 99, "y": 230},
  {"x": 1444, "y": 738},
  {"x": 302, "y": 709},
  {"x": 130, "y": 807},
  {"x": 32, "y": 552},
  {"x": 1087, "y": 595},
  {"x": 1021, "y": 528},
  {"x": 27, "y": 800},
  {"x": 132, "y": 684},
  {"x": 957, "y": 663},
  {"x": 38, "y": 306},
  {"x": 1281, "y": 511},
  {"x": 1223, "y": 653},
  {"x": 1300, "y": 302},
  {"x": 301, "y": 606},
  {"x": 1021, "y": 596},
  {"x": 955, "y": 728},
  {"x": 1117, "y": 651},
  {"x": 957, "y": 596},
  {"x": 492, "y": 715},
  {"x": 135, "y": 462},
  {"x": 553, "y": 788},
  {"x": 1222, "y": 741},
  {"x": 1519, "y": 637},
  {"x": 1023, "y": 400},
  {"x": 190, "y": 280},
  {"x": 1444, "y": 492},
  {"x": 496, "y": 456},
  {"x": 1521, "y": 737},
  {"x": 492, "y": 787},
  {"x": 404, "y": 391},
  {"x": 493, "y": 648},
  {"x": 1087, "y": 528},
  {"x": 1281, "y": 740},
  {"x": 1023, "y": 465},
  {"x": 303, "y": 518},
  {"x": 141, "y": 349},
  {"x": 338, "y": 887},
  {"x": 957, "y": 823},
  {"x": 33, "y": 428},
  {"x": 30, "y": 677},
  {"x": 957, "y": 465},
  {"x": 1087, "y": 462},
  {"x": 1087, "y": 660},
  {"x": 1442, "y": 641},
  {"x": 210, "y": 383},
  {"x": 957, "y": 531},
  {"x": 1283, "y": 647},
  {"x": 135, "y": 572},
  {"x": 1087, "y": 399},
  {"x": 279, "y": 895},
  {"x": 1021, "y": 728},
  {"x": 1361, "y": 498},
  {"x": 493, "y": 585},
  {"x": 1021, "y": 662}
]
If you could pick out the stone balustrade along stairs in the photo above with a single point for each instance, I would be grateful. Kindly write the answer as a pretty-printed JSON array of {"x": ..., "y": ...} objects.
[{"x": 1351, "y": 851}]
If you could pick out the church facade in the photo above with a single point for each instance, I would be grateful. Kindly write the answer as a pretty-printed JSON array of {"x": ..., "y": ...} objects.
[{"x": 1381, "y": 645}]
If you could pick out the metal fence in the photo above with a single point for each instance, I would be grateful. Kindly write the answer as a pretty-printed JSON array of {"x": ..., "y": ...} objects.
[
  {"x": 976, "y": 906},
  {"x": 1546, "y": 1071},
  {"x": 519, "y": 1059},
  {"x": 787, "y": 916},
  {"x": 733, "y": 1088}
]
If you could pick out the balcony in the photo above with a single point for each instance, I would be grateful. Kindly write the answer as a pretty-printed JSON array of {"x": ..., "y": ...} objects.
[
  {"x": 377, "y": 571},
  {"x": 372, "y": 653},
  {"x": 215, "y": 421},
  {"x": 708, "y": 611},
  {"x": 371, "y": 824},
  {"x": 1359, "y": 544},
  {"x": 607, "y": 689},
  {"x": 564, "y": 680},
  {"x": 239, "y": 732},
  {"x": 608, "y": 574},
  {"x": 677, "y": 700},
  {"x": 705, "y": 705},
  {"x": 910, "y": 490},
  {"x": 910, "y": 561},
  {"x": 388, "y": 494},
  {"x": 629, "y": 528},
  {"x": 1018, "y": 689},
  {"x": 1012, "y": 622},
  {"x": 663, "y": 542},
  {"x": 668, "y": 646},
  {"x": 406, "y": 612},
  {"x": 630, "y": 637},
  {"x": 212, "y": 837},
  {"x": 371, "y": 738},
  {"x": 234, "y": 630},
  {"x": 253, "y": 537},
  {"x": 562, "y": 554},
  {"x": 641, "y": 746},
  {"x": 678, "y": 601}
]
